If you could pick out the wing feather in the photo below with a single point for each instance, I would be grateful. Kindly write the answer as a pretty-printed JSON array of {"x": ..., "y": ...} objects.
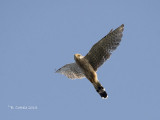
[
  {"x": 72, "y": 71},
  {"x": 102, "y": 50}
]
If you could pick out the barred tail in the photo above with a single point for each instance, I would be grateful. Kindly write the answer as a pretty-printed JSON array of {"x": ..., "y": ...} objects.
[{"x": 100, "y": 89}]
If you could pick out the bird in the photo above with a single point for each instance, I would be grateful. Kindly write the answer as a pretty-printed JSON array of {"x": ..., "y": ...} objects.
[{"x": 87, "y": 66}]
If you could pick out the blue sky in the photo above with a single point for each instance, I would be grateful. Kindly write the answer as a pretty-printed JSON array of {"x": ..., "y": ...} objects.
[{"x": 37, "y": 37}]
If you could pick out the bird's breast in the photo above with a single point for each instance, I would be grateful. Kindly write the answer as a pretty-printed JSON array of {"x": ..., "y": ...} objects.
[{"x": 87, "y": 69}]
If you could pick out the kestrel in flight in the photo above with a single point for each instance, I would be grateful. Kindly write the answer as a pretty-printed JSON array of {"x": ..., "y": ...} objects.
[{"x": 86, "y": 66}]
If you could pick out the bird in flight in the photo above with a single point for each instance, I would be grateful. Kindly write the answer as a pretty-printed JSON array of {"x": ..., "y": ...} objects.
[{"x": 86, "y": 66}]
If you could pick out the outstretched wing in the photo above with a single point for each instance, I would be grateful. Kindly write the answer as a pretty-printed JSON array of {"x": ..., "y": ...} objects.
[
  {"x": 102, "y": 50},
  {"x": 72, "y": 71}
]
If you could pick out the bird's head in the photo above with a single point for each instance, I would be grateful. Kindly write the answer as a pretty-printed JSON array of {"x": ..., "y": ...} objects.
[{"x": 78, "y": 56}]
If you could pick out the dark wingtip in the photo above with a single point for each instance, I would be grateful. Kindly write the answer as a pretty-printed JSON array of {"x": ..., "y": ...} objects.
[
  {"x": 56, "y": 71},
  {"x": 122, "y": 25},
  {"x": 121, "y": 28}
]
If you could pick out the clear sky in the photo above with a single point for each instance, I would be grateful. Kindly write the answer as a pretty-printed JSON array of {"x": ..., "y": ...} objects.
[{"x": 39, "y": 36}]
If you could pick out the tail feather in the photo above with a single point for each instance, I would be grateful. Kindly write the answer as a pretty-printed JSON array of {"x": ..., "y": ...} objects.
[{"x": 100, "y": 89}]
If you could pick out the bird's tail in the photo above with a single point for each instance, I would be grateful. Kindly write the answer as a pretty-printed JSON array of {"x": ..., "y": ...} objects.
[{"x": 100, "y": 89}]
